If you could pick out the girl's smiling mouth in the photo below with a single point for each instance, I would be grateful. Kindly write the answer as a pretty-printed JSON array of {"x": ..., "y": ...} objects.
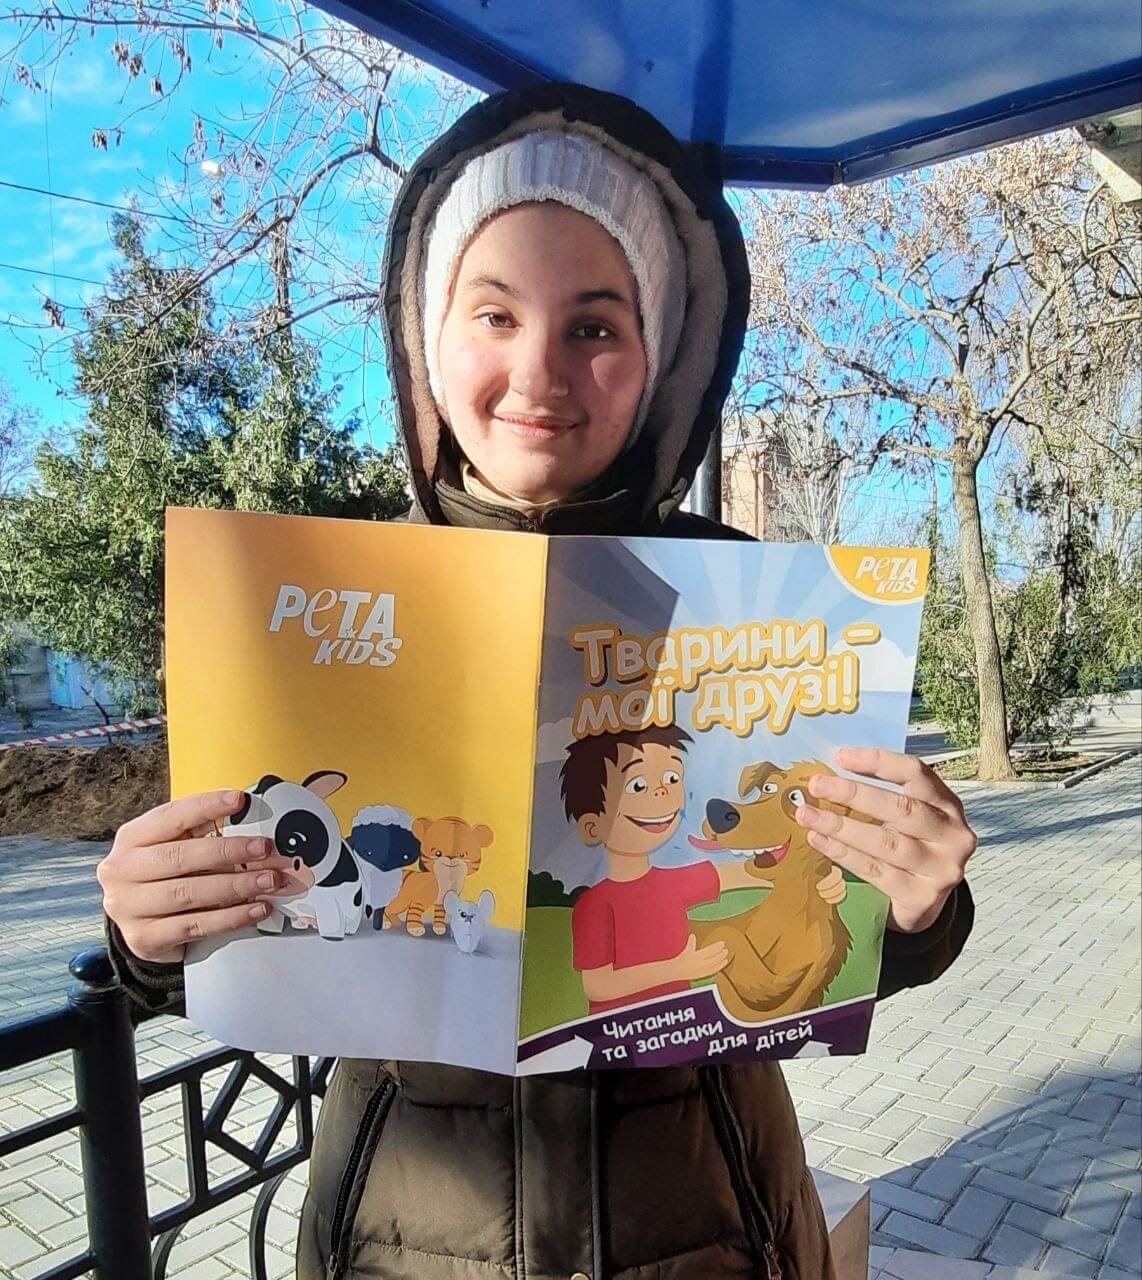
[{"x": 535, "y": 426}]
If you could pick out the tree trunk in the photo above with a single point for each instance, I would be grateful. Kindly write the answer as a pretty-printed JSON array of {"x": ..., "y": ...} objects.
[{"x": 994, "y": 758}]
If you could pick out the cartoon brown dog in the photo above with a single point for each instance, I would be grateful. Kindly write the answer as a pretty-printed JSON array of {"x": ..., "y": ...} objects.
[{"x": 785, "y": 952}]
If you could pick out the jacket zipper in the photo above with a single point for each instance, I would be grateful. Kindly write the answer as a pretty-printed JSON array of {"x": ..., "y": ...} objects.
[
  {"x": 598, "y": 1194},
  {"x": 339, "y": 1236},
  {"x": 756, "y": 1219}
]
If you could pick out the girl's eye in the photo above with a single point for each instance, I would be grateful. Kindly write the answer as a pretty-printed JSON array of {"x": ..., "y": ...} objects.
[
  {"x": 495, "y": 320},
  {"x": 636, "y": 786},
  {"x": 670, "y": 777},
  {"x": 593, "y": 332}
]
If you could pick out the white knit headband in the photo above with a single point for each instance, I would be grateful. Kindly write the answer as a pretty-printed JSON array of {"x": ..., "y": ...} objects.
[{"x": 584, "y": 175}]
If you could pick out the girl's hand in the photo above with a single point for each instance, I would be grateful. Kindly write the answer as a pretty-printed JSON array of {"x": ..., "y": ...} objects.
[
  {"x": 169, "y": 880},
  {"x": 918, "y": 856}
]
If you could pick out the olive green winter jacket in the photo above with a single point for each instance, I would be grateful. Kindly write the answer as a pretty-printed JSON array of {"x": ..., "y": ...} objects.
[{"x": 424, "y": 1172}]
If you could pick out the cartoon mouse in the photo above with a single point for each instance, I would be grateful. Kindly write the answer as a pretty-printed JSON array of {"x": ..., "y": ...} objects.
[{"x": 469, "y": 919}]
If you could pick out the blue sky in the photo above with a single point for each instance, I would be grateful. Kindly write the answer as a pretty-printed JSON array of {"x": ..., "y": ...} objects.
[
  {"x": 47, "y": 144},
  {"x": 60, "y": 247}
]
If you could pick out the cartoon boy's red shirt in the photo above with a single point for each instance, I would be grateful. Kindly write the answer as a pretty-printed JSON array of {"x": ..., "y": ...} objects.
[{"x": 625, "y": 923}]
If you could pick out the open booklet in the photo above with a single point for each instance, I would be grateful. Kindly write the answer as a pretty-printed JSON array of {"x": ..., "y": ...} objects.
[{"x": 539, "y": 793}]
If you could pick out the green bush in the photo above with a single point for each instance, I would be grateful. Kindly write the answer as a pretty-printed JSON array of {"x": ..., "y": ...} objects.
[
  {"x": 1056, "y": 655},
  {"x": 177, "y": 415}
]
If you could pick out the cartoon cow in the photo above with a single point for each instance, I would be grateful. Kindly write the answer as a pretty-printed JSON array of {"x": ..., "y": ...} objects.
[{"x": 331, "y": 886}]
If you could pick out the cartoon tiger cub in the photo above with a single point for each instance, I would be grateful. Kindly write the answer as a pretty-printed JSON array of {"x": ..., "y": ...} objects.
[{"x": 450, "y": 851}]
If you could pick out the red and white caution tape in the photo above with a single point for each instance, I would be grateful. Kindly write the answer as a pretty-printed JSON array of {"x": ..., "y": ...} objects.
[{"x": 100, "y": 731}]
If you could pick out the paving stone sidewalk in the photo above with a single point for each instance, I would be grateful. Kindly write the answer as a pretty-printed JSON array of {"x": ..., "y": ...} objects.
[
  {"x": 997, "y": 1112},
  {"x": 996, "y": 1116}
]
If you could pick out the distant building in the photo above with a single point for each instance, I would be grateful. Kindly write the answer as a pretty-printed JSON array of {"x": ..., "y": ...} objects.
[
  {"x": 752, "y": 477},
  {"x": 1116, "y": 151},
  {"x": 776, "y": 498},
  {"x": 41, "y": 678}
]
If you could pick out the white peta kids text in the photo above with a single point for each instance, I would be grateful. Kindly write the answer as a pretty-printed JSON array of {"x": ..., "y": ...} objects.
[{"x": 363, "y": 630}]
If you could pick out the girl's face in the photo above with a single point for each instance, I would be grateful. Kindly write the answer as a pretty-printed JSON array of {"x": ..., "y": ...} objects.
[{"x": 541, "y": 358}]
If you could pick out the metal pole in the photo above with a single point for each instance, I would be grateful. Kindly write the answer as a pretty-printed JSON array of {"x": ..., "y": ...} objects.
[
  {"x": 111, "y": 1137},
  {"x": 707, "y": 499}
]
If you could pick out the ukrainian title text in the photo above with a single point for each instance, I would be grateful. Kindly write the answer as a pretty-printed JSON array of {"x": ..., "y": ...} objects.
[{"x": 755, "y": 673}]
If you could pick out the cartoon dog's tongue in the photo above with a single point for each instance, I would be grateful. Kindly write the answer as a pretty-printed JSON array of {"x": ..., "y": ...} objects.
[
  {"x": 771, "y": 857},
  {"x": 707, "y": 846}
]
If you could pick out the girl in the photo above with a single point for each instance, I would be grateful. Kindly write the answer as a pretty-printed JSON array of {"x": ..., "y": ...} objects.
[{"x": 565, "y": 301}]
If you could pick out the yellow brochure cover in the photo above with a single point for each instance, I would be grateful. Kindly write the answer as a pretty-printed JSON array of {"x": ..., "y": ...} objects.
[{"x": 373, "y": 689}]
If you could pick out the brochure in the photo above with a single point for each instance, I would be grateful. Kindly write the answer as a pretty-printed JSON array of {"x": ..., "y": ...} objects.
[{"x": 539, "y": 792}]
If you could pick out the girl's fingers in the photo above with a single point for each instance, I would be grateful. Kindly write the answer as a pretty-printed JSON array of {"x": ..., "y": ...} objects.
[
  {"x": 918, "y": 857},
  {"x": 894, "y": 848},
  {"x": 918, "y": 779},
  {"x": 177, "y": 859},
  {"x": 903, "y": 812},
  {"x": 914, "y": 904},
  {"x": 199, "y": 893},
  {"x": 172, "y": 821},
  {"x": 891, "y": 766},
  {"x": 886, "y": 877},
  {"x": 916, "y": 900},
  {"x": 162, "y": 941}
]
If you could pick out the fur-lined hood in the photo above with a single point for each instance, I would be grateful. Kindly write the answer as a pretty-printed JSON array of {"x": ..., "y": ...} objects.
[{"x": 647, "y": 483}]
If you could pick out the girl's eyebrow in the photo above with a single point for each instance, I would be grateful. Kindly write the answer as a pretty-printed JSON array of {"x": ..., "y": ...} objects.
[
  {"x": 581, "y": 299},
  {"x": 490, "y": 282},
  {"x": 602, "y": 295}
]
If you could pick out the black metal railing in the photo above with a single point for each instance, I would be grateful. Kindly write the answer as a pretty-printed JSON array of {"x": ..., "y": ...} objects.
[{"x": 124, "y": 1242}]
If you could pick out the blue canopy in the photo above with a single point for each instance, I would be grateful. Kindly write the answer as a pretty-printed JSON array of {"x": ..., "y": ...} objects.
[{"x": 798, "y": 92}]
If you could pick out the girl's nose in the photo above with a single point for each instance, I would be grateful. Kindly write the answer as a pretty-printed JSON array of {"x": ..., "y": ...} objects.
[{"x": 538, "y": 374}]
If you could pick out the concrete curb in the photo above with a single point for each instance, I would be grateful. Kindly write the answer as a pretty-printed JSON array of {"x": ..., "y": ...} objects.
[
  {"x": 973, "y": 786},
  {"x": 942, "y": 757},
  {"x": 1097, "y": 767}
]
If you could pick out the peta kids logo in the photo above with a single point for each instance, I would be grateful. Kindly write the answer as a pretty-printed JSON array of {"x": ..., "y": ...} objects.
[
  {"x": 885, "y": 575},
  {"x": 888, "y": 575},
  {"x": 351, "y": 627}
]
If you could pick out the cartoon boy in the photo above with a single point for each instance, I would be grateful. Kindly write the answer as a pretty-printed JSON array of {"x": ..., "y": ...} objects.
[{"x": 631, "y": 936}]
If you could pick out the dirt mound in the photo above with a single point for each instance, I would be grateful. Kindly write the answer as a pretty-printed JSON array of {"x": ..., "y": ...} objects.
[{"x": 83, "y": 793}]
